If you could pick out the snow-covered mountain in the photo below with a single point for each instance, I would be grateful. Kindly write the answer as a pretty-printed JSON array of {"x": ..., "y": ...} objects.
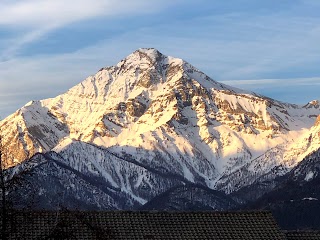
[{"x": 152, "y": 122}]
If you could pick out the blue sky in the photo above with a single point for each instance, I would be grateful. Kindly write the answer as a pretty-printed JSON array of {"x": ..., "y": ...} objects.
[{"x": 271, "y": 47}]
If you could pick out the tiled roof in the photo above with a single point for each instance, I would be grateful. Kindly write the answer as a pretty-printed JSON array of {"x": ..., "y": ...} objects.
[
  {"x": 303, "y": 235},
  {"x": 147, "y": 225}
]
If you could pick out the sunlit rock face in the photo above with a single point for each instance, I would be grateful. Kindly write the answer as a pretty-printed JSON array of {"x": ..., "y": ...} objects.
[{"x": 317, "y": 123}]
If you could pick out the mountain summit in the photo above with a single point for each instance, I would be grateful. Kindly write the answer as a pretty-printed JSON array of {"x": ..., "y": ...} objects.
[{"x": 153, "y": 117}]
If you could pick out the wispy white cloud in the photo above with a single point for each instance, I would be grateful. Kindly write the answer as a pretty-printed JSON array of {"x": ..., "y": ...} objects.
[
  {"x": 33, "y": 19},
  {"x": 293, "y": 90},
  {"x": 313, "y": 81},
  {"x": 35, "y": 13},
  {"x": 15, "y": 44}
]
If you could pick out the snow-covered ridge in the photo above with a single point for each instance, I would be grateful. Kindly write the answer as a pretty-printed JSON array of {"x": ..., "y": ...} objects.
[{"x": 163, "y": 112}]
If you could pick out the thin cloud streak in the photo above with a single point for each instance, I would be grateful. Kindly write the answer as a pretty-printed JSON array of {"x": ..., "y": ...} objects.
[
  {"x": 279, "y": 82},
  {"x": 17, "y": 43},
  {"x": 35, "y": 13},
  {"x": 295, "y": 90},
  {"x": 34, "y": 19}
]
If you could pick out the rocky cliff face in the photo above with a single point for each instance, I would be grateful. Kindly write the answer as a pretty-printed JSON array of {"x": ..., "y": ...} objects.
[{"x": 158, "y": 118}]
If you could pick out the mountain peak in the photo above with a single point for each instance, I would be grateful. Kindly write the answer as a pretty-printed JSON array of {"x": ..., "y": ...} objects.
[
  {"x": 142, "y": 58},
  {"x": 149, "y": 51},
  {"x": 313, "y": 104},
  {"x": 150, "y": 54}
]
